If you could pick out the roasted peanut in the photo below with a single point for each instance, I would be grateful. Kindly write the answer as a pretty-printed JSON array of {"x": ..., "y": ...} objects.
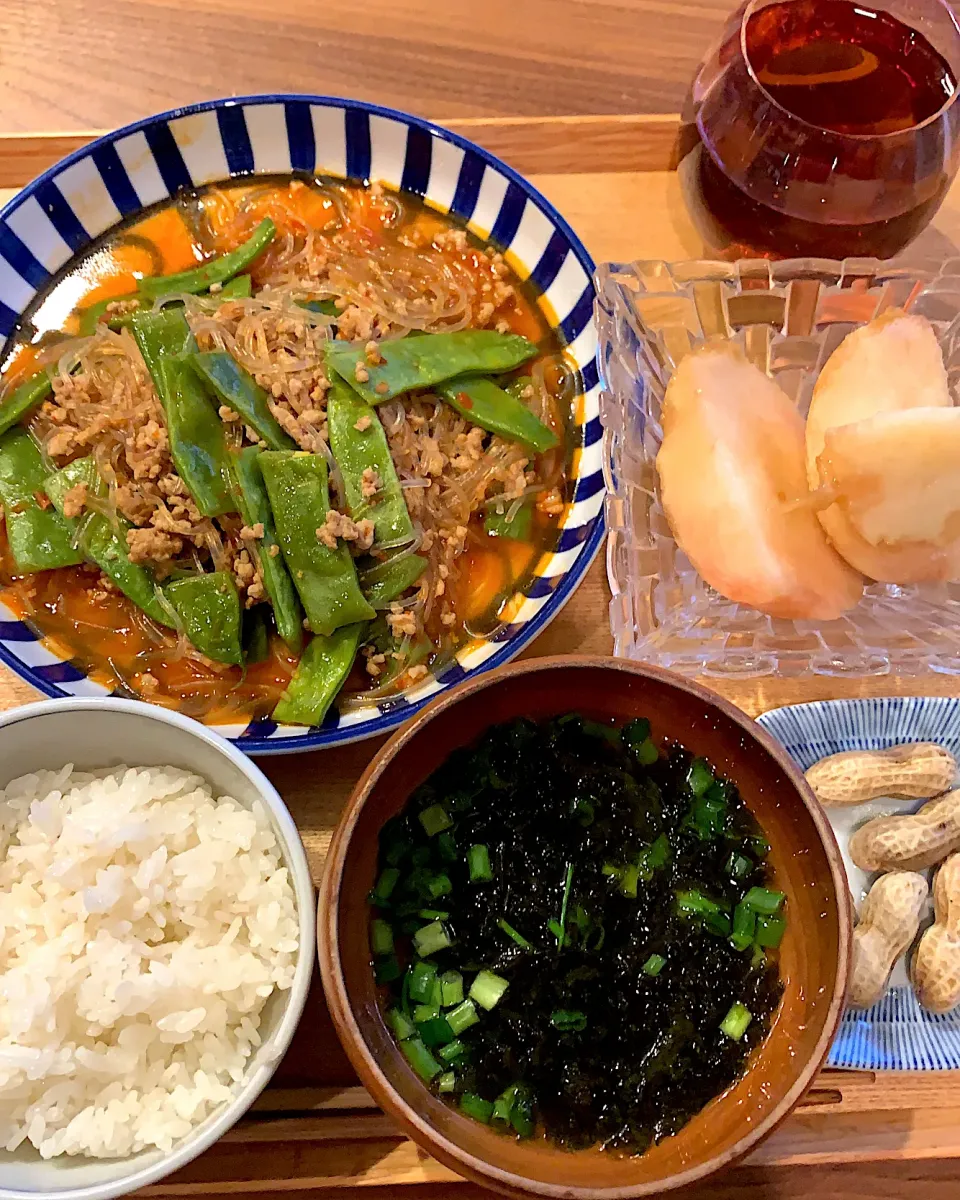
[
  {"x": 912, "y": 772},
  {"x": 888, "y": 924},
  {"x": 936, "y": 968},
  {"x": 911, "y": 842}
]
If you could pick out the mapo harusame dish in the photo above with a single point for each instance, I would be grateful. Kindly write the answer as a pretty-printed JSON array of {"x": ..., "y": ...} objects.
[{"x": 276, "y": 441}]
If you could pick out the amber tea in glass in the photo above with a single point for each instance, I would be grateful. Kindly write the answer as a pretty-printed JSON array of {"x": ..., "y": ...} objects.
[{"x": 823, "y": 127}]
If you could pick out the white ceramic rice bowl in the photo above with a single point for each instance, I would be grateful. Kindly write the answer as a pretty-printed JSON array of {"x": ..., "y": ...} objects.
[{"x": 103, "y": 732}]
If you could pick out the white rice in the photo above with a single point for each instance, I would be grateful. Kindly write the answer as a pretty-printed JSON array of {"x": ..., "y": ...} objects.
[{"x": 143, "y": 925}]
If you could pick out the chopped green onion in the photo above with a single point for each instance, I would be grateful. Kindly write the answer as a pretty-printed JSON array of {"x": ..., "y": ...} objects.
[
  {"x": 699, "y": 776},
  {"x": 387, "y": 970},
  {"x": 435, "y": 820},
  {"x": 694, "y": 901},
  {"x": 770, "y": 931},
  {"x": 439, "y": 885},
  {"x": 736, "y": 1022},
  {"x": 744, "y": 927},
  {"x": 487, "y": 989},
  {"x": 447, "y": 847},
  {"x": 646, "y": 753},
  {"x": 478, "y": 863},
  {"x": 607, "y": 733},
  {"x": 451, "y": 989},
  {"x": 503, "y": 1105},
  {"x": 421, "y": 856},
  {"x": 422, "y": 976},
  {"x": 556, "y": 929},
  {"x": 431, "y": 938},
  {"x": 420, "y": 1058},
  {"x": 635, "y": 732},
  {"x": 654, "y": 964},
  {"x": 452, "y": 1050},
  {"x": 738, "y": 866},
  {"x": 426, "y": 1012},
  {"x": 381, "y": 938},
  {"x": 401, "y": 1024},
  {"x": 610, "y": 869},
  {"x": 430, "y": 914},
  {"x": 718, "y": 923},
  {"x": 475, "y": 1106},
  {"x": 629, "y": 878},
  {"x": 447, "y": 1082},
  {"x": 758, "y": 957},
  {"x": 436, "y": 1032},
  {"x": 521, "y": 1116},
  {"x": 566, "y": 1019},
  {"x": 385, "y": 885},
  {"x": 509, "y": 930},
  {"x": 568, "y": 881},
  {"x": 760, "y": 846},
  {"x": 462, "y": 1017},
  {"x": 436, "y": 994},
  {"x": 762, "y": 900},
  {"x": 396, "y": 852},
  {"x": 658, "y": 853}
]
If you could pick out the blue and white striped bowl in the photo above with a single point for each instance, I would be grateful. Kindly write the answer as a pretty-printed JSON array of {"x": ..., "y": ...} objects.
[
  {"x": 114, "y": 177},
  {"x": 896, "y": 1034}
]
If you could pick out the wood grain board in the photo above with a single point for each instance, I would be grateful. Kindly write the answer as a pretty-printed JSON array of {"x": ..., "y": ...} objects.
[{"x": 315, "y": 1131}]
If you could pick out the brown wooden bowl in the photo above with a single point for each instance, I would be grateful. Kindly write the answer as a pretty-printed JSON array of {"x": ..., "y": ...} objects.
[{"x": 814, "y": 955}]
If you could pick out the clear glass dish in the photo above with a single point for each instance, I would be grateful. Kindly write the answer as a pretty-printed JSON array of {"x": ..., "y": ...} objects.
[{"x": 787, "y": 317}]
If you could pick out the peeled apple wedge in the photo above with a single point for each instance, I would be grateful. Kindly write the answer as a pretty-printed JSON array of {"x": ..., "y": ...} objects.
[
  {"x": 889, "y": 365},
  {"x": 733, "y": 486},
  {"x": 898, "y": 475}
]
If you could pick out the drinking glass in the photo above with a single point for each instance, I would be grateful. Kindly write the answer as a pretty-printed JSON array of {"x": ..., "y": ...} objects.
[{"x": 823, "y": 128}]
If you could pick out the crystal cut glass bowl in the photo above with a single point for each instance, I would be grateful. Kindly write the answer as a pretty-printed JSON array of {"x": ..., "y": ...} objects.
[{"x": 787, "y": 317}]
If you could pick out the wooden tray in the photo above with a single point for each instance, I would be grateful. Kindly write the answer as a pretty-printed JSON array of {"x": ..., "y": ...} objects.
[{"x": 316, "y": 1130}]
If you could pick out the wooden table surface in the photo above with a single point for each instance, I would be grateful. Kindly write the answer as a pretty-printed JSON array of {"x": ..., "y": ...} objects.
[{"x": 85, "y": 64}]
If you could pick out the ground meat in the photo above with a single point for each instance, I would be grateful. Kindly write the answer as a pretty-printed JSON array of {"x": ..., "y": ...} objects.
[
  {"x": 250, "y": 533},
  {"x": 152, "y": 545},
  {"x": 369, "y": 483},
  {"x": 338, "y": 525},
  {"x": 75, "y": 500},
  {"x": 355, "y": 324},
  {"x": 550, "y": 503},
  {"x": 363, "y": 423},
  {"x": 360, "y": 372},
  {"x": 248, "y": 578},
  {"x": 402, "y": 622}
]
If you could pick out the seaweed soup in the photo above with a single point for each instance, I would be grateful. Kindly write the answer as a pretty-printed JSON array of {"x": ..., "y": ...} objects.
[{"x": 574, "y": 933}]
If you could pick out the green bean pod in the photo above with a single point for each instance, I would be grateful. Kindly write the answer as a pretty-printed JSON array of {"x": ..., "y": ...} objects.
[
  {"x": 105, "y": 544},
  {"x": 197, "y": 443},
  {"x": 24, "y": 400},
  {"x": 384, "y": 583},
  {"x": 236, "y": 388},
  {"x": 161, "y": 335},
  {"x": 238, "y": 288},
  {"x": 209, "y": 607},
  {"x": 319, "y": 676},
  {"x": 326, "y": 579},
  {"x": 38, "y": 537},
  {"x": 255, "y": 509},
  {"x": 217, "y": 270},
  {"x": 482, "y": 403},
  {"x": 359, "y": 450},
  {"x": 419, "y": 362}
]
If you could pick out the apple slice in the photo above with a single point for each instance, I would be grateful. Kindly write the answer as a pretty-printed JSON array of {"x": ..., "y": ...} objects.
[
  {"x": 734, "y": 489},
  {"x": 897, "y": 479},
  {"x": 891, "y": 364}
]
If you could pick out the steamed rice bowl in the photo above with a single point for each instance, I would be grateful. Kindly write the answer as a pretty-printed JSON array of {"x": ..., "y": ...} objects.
[{"x": 143, "y": 927}]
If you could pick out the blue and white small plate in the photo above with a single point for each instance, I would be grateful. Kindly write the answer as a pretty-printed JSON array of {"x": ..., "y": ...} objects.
[
  {"x": 896, "y": 1034},
  {"x": 66, "y": 208}
]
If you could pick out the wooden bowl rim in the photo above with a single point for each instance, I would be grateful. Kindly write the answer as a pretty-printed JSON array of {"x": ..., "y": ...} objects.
[{"x": 348, "y": 1028}]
